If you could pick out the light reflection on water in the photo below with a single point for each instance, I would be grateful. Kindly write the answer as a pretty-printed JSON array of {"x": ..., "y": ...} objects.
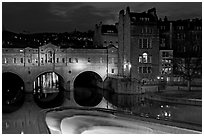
[{"x": 154, "y": 109}]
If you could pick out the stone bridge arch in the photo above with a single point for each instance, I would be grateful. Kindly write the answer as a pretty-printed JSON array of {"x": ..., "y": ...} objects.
[
  {"x": 86, "y": 71},
  {"x": 87, "y": 93},
  {"x": 20, "y": 75}
]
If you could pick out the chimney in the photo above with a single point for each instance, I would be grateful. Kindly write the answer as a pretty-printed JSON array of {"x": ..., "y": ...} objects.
[
  {"x": 152, "y": 11},
  {"x": 128, "y": 10}
]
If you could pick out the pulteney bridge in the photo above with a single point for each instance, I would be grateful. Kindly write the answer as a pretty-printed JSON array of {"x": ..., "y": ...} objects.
[{"x": 70, "y": 68}]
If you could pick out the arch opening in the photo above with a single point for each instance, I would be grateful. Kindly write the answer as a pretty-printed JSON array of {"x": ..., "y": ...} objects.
[
  {"x": 88, "y": 89},
  {"x": 12, "y": 92},
  {"x": 48, "y": 90}
]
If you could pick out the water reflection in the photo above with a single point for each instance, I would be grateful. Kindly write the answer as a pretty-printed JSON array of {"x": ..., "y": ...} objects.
[
  {"x": 12, "y": 92},
  {"x": 89, "y": 96},
  {"x": 137, "y": 105},
  {"x": 47, "y": 90}
]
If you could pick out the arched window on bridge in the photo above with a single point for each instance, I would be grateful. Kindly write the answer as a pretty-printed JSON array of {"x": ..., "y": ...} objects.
[{"x": 49, "y": 56}]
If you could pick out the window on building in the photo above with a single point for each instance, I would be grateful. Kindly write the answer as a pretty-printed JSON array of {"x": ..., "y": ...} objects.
[
  {"x": 178, "y": 36},
  {"x": 140, "y": 69},
  {"x": 162, "y": 27},
  {"x": 149, "y": 43},
  {"x": 76, "y": 60},
  {"x": 162, "y": 42},
  {"x": 70, "y": 60},
  {"x": 63, "y": 60},
  {"x": 89, "y": 60},
  {"x": 57, "y": 60},
  {"x": 149, "y": 59},
  {"x": 5, "y": 60},
  {"x": 144, "y": 43},
  {"x": 42, "y": 60},
  {"x": 21, "y": 60},
  {"x": 112, "y": 60},
  {"x": 14, "y": 60},
  {"x": 49, "y": 56},
  {"x": 144, "y": 70},
  {"x": 144, "y": 56},
  {"x": 165, "y": 54},
  {"x": 149, "y": 69},
  {"x": 36, "y": 60},
  {"x": 112, "y": 70},
  {"x": 29, "y": 61},
  {"x": 140, "y": 43},
  {"x": 140, "y": 59},
  {"x": 101, "y": 60}
]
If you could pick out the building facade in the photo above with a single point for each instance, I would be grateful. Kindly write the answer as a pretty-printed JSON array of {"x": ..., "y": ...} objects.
[
  {"x": 138, "y": 45},
  {"x": 180, "y": 45},
  {"x": 29, "y": 63},
  {"x": 105, "y": 35},
  {"x": 166, "y": 50}
]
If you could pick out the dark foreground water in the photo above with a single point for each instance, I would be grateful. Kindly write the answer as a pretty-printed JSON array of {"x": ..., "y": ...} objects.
[
  {"x": 28, "y": 113},
  {"x": 139, "y": 106},
  {"x": 157, "y": 110}
]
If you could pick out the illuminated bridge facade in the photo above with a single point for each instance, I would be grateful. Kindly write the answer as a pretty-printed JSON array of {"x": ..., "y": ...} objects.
[{"x": 50, "y": 66}]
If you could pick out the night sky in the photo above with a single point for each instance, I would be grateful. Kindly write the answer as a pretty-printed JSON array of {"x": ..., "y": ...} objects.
[{"x": 66, "y": 16}]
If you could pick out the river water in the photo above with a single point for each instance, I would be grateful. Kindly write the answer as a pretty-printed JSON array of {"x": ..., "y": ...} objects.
[{"x": 136, "y": 104}]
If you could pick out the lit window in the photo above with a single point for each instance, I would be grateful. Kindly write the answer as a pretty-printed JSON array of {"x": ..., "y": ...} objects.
[
  {"x": 144, "y": 55},
  {"x": 140, "y": 59},
  {"x": 14, "y": 60},
  {"x": 5, "y": 60},
  {"x": 101, "y": 60}
]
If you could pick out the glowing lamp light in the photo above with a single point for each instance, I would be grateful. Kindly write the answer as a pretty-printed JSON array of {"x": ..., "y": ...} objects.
[
  {"x": 158, "y": 77},
  {"x": 79, "y": 66},
  {"x": 127, "y": 65}
]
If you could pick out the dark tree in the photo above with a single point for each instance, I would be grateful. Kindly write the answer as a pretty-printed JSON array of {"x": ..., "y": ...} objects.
[{"x": 188, "y": 63}]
